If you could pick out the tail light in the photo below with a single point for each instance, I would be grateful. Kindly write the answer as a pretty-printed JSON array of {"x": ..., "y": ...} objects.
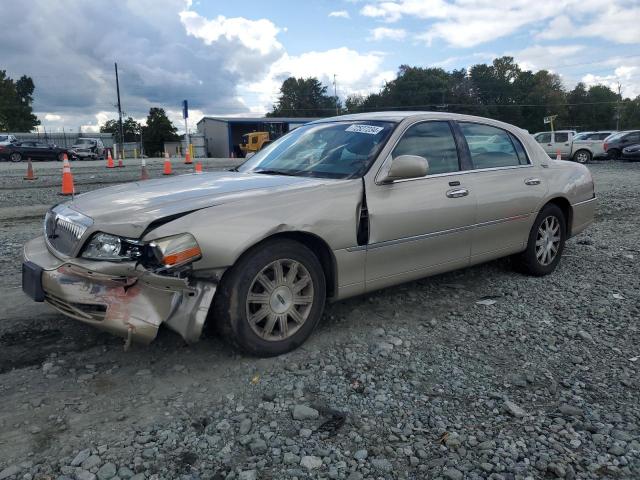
[{"x": 605, "y": 146}]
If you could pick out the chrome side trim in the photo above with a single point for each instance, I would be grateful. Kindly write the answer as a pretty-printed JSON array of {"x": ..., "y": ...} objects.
[
  {"x": 459, "y": 172},
  {"x": 424, "y": 236},
  {"x": 584, "y": 202}
]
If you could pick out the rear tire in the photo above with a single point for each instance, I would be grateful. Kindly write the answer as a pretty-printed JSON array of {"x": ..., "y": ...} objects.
[
  {"x": 613, "y": 154},
  {"x": 582, "y": 156},
  {"x": 545, "y": 244},
  {"x": 15, "y": 157},
  {"x": 270, "y": 301},
  {"x": 61, "y": 157}
]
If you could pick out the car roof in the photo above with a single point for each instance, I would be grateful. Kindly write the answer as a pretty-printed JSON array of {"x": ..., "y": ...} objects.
[{"x": 398, "y": 116}]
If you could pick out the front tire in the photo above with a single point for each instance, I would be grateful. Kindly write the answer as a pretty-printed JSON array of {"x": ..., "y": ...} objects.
[
  {"x": 545, "y": 244},
  {"x": 582, "y": 156},
  {"x": 270, "y": 301},
  {"x": 15, "y": 157},
  {"x": 61, "y": 156}
]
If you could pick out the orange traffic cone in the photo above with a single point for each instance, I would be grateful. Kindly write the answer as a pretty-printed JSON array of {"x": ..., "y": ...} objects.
[
  {"x": 110, "y": 160},
  {"x": 198, "y": 167},
  {"x": 187, "y": 159},
  {"x": 558, "y": 156},
  {"x": 144, "y": 174},
  {"x": 167, "y": 165},
  {"x": 30, "y": 175},
  {"x": 67, "y": 178}
]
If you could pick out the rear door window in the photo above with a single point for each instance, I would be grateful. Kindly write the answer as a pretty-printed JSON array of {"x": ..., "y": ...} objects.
[
  {"x": 492, "y": 147},
  {"x": 561, "y": 137}
]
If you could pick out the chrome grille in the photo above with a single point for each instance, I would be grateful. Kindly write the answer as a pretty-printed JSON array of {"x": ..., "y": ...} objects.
[{"x": 64, "y": 228}]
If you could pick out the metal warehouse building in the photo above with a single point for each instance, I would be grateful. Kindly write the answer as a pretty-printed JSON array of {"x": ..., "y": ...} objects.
[{"x": 223, "y": 134}]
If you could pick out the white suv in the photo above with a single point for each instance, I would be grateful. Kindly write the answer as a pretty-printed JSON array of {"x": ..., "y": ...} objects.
[
  {"x": 589, "y": 145},
  {"x": 557, "y": 141}
]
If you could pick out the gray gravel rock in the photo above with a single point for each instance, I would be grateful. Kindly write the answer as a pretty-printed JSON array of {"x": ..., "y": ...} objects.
[
  {"x": 453, "y": 474},
  {"x": 302, "y": 412},
  {"x": 9, "y": 472},
  {"x": 107, "y": 471},
  {"x": 311, "y": 462},
  {"x": 80, "y": 457},
  {"x": 514, "y": 409}
]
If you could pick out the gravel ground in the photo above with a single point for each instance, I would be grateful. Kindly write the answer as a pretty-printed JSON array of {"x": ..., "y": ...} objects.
[{"x": 417, "y": 381}]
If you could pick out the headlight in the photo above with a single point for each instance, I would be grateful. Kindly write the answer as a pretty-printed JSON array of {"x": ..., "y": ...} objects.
[
  {"x": 176, "y": 250},
  {"x": 104, "y": 246}
]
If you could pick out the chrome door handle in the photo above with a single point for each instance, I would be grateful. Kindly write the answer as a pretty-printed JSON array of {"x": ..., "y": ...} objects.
[
  {"x": 532, "y": 181},
  {"x": 457, "y": 192}
]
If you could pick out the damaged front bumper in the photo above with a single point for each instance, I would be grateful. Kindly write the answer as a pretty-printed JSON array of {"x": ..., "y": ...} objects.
[{"x": 121, "y": 298}]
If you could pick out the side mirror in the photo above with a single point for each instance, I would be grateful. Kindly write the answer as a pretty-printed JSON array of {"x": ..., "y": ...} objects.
[{"x": 406, "y": 166}]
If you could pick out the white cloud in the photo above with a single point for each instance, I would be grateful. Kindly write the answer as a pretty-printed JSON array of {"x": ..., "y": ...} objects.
[
  {"x": 466, "y": 23},
  {"x": 356, "y": 73},
  {"x": 340, "y": 14},
  {"x": 628, "y": 76},
  {"x": 548, "y": 57},
  {"x": 52, "y": 117},
  {"x": 384, "y": 33},
  {"x": 255, "y": 35},
  {"x": 615, "y": 22}
]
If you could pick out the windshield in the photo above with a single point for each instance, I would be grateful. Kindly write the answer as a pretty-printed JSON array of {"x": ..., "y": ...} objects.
[
  {"x": 4, "y": 138},
  {"x": 85, "y": 141},
  {"x": 328, "y": 150}
]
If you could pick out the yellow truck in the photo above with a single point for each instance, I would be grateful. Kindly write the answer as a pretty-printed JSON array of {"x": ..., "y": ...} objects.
[{"x": 253, "y": 142}]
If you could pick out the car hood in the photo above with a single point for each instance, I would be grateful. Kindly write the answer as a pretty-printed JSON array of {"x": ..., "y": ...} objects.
[{"x": 140, "y": 203}]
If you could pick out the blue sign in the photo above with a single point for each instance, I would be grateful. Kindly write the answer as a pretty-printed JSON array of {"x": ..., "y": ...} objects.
[{"x": 185, "y": 109}]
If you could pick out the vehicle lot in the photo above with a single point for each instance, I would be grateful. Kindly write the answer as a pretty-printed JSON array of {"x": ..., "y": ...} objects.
[{"x": 417, "y": 381}]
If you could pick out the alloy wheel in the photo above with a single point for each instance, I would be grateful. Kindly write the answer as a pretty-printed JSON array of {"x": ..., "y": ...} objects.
[
  {"x": 582, "y": 157},
  {"x": 548, "y": 240},
  {"x": 279, "y": 300}
]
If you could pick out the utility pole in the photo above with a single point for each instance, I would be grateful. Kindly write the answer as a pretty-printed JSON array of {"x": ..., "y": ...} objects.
[
  {"x": 618, "y": 106},
  {"x": 119, "y": 113},
  {"x": 335, "y": 93}
]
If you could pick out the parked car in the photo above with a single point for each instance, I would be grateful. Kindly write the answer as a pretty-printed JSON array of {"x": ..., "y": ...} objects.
[
  {"x": 614, "y": 144},
  {"x": 557, "y": 141},
  {"x": 7, "y": 139},
  {"x": 589, "y": 145},
  {"x": 17, "y": 152},
  {"x": 336, "y": 208},
  {"x": 89, "y": 148},
  {"x": 631, "y": 153}
]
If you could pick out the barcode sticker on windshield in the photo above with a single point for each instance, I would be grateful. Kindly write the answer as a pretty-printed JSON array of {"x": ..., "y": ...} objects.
[{"x": 368, "y": 129}]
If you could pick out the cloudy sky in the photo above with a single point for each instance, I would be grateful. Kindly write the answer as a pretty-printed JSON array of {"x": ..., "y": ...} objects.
[{"x": 229, "y": 58}]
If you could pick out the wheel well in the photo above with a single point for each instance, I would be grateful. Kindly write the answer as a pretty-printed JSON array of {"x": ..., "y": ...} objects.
[
  {"x": 567, "y": 210},
  {"x": 320, "y": 248}
]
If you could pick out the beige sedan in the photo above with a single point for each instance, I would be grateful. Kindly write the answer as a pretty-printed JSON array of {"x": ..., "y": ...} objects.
[{"x": 336, "y": 208}]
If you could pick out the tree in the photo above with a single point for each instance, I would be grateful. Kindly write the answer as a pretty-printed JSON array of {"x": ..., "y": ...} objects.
[
  {"x": 16, "y": 98},
  {"x": 130, "y": 127},
  {"x": 304, "y": 97},
  {"x": 158, "y": 130},
  {"x": 630, "y": 113}
]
